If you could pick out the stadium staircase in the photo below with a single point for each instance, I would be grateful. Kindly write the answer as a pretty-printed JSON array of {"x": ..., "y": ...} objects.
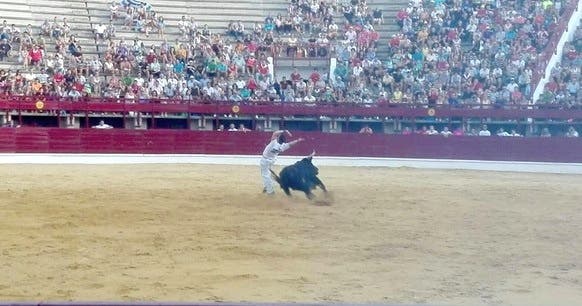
[
  {"x": 83, "y": 16},
  {"x": 215, "y": 14},
  {"x": 34, "y": 12},
  {"x": 389, "y": 27}
]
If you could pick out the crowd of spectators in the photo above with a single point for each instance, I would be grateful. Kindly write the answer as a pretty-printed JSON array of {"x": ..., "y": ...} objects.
[
  {"x": 447, "y": 52},
  {"x": 431, "y": 130},
  {"x": 471, "y": 52},
  {"x": 565, "y": 82}
]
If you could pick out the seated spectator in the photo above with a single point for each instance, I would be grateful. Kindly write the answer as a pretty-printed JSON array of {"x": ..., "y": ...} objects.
[
  {"x": 232, "y": 128},
  {"x": 366, "y": 130},
  {"x": 242, "y": 128},
  {"x": 100, "y": 30},
  {"x": 446, "y": 132},
  {"x": 484, "y": 131},
  {"x": 545, "y": 133},
  {"x": 431, "y": 131},
  {"x": 459, "y": 132},
  {"x": 571, "y": 132},
  {"x": 113, "y": 10},
  {"x": 407, "y": 131},
  {"x": 501, "y": 132},
  {"x": 5, "y": 48},
  {"x": 45, "y": 28},
  {"x": 102, "y": 125},
  {"x": 35, "y": 56}
]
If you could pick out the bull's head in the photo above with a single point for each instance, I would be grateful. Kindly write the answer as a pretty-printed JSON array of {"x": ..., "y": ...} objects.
[{"x": 309, "y": 165}]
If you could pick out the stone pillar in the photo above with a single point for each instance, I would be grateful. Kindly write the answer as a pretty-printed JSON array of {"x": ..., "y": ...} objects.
[
  {"x": 272, "y": 125},
  {"x": 5, "y": 119},
  {"x": 334, "y": 126},
  {"x": 70, "y": 122},
  {"x": 136, "y": 121}
]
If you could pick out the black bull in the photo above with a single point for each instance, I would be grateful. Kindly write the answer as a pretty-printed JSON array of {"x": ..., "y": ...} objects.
[{"x": 300, "y": 176}]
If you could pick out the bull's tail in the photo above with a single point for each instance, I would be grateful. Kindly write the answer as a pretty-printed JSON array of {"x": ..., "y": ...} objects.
[{"x": 275, "y": 176}]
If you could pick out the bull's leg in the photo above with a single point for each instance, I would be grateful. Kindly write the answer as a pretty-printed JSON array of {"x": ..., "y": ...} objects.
[
  {"x": 286, "y": 190},
  {"x": 307, "y": 190},
  {"x": 319, "y": 183}
]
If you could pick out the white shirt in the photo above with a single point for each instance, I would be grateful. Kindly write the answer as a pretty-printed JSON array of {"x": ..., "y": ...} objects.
[
  {"x": 273, "y": 149},
  {"x": 103, "y": 126},
  {"x": 100, "y": 29},
  {"x": 484, "y": 133}
]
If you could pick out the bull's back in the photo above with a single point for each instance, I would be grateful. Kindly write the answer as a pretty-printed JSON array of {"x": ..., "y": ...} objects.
[{"x": 291, "y": 177}]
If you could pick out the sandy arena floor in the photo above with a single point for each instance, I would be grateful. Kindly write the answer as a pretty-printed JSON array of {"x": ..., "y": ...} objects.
[{"x": 205, "y": 233}]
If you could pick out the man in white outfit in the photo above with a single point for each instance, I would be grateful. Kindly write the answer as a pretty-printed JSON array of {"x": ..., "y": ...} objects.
[{"x": 277, "y": 145}]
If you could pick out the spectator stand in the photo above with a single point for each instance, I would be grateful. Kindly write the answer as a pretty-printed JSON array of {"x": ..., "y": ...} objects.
[
  {"x": 558, "y": 48},
  {"x": 563, "y": 87}
]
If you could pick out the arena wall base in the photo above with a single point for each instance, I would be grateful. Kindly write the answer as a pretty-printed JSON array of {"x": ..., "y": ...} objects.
[{"x": 103, "y": 159}]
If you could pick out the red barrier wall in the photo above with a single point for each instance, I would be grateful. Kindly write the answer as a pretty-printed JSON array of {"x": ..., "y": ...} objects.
[{"x": 55, "y": 140}]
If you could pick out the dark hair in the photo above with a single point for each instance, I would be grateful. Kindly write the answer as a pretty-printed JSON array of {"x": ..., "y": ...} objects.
[{"x": 281, "y": 139}]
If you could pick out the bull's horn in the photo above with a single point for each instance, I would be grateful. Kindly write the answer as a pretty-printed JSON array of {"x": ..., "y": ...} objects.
[{"x": 312, "y": 154}]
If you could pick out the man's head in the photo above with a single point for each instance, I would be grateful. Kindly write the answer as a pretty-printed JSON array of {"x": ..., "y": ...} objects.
[{"x": 282, "y": 139}]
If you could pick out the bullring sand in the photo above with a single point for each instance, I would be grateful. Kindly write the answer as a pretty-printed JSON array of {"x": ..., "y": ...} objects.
[{"x": 206, "y": 233}]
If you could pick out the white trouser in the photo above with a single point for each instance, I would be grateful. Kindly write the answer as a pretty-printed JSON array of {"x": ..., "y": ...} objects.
[{"x": 266, "y": 174}]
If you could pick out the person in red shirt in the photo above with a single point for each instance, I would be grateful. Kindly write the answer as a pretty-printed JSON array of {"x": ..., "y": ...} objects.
[
  {"x": 295, "y": 76},
  {"x": 394, "y": 41},
  {"x": 35, "y": 55},
  {"x": 250, "y": 64},
  {"x": 263, "y": 68},
  {"x": 315, "y": 76},
  {"x": 151, "y": 57},
  {"x": 400, "y": 16},
  {"x": 252, "y": 84}
]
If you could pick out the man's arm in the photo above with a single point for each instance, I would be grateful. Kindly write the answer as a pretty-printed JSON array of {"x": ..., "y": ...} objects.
[
  {"x": 296, "y": 141},
  {"x": 277, "y": 133}
]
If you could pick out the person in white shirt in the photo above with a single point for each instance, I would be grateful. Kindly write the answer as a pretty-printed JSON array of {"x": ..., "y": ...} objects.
[
  {"x": 446, "y": 132},
  {"x": 432, "y": 131},
  {"x": 514, "y": 134},
  {"x": 100, "y": 31},
  {"x": 277, "y": 144},
  {"x": 572, "y": 132},
  {"x": 501, "y": 132},
  {"x": 309, "y": 98},
  {"x": 484, "y": 131},
  {"x": 102, "y": 125}
]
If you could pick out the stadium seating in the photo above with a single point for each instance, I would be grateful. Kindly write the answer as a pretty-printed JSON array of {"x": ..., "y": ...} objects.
[{"x": 399, "y": 71}]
